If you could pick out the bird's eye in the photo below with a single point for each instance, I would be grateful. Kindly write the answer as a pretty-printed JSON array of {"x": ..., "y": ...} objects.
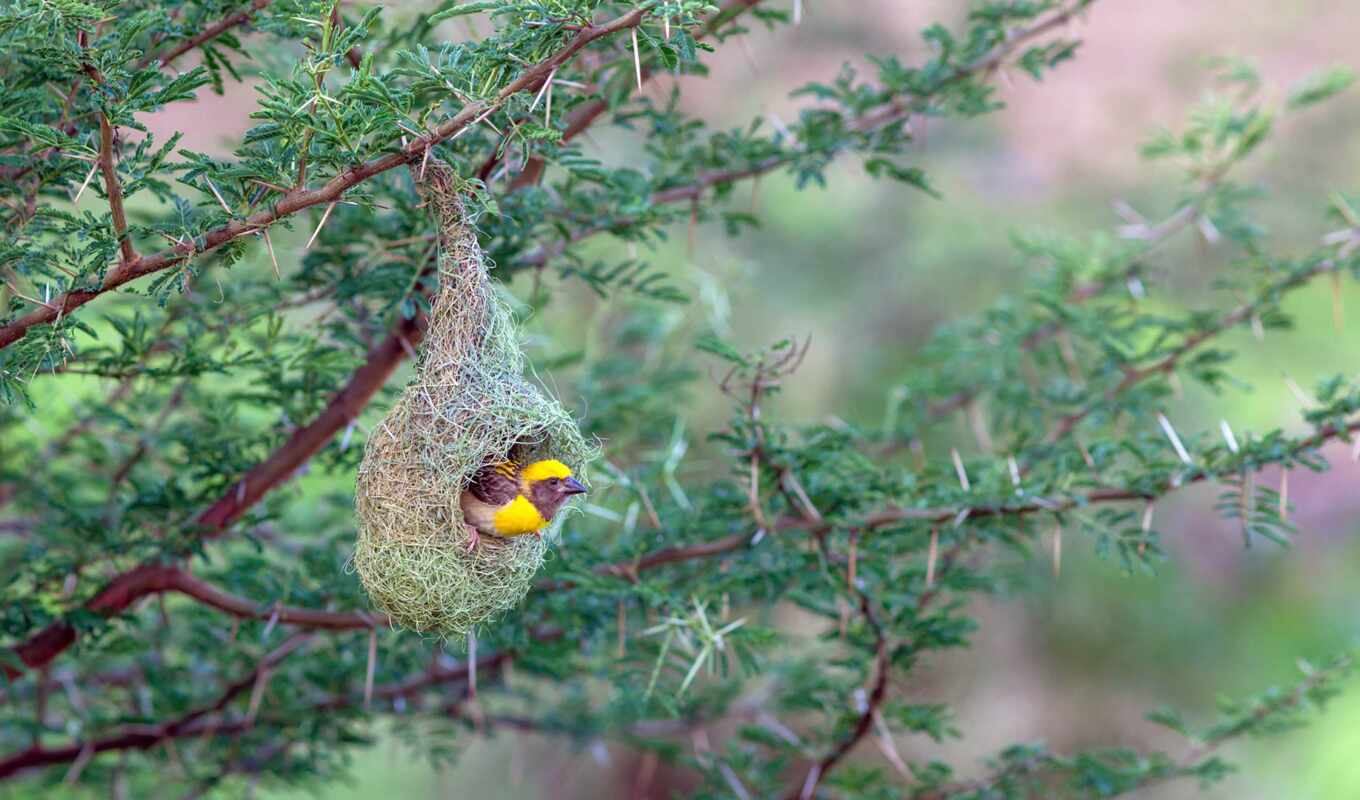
[{"x": 553, "y": 481}]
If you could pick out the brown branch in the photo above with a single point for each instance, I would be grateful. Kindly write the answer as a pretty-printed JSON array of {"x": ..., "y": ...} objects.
[
  {"x": 114, "y": 189},
  {"x": 583, "y": 116},
  {"x": 196, "y": 723},
  {"x": 343, "y": 409},
  {"x": 1155, "y": 236},
  {"x": 147, "y": 737},
  {"x": 142, "y": 737},
  {"x": 129, "y": 586},
  {"x": 710, "y": 179},
  {"x": 211, "y": 32},
  {"x": 353, "y": 55},
  {"x": 434, "y": 676},
  {"x": 888, "y": 517},
  {"x": 893, "y": 112},
  {"x": 882, "y": 662},
  {"x": 300, "y": 198},
  {"x": 193, "y": 723},
  {"x": 173, "y": 579},
  {"x": 865, "y": 722},
  {"x": 1169, "y": 362}
]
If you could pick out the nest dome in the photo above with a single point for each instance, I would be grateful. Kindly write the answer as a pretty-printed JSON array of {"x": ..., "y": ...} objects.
[{"x": 468, "y": 405}]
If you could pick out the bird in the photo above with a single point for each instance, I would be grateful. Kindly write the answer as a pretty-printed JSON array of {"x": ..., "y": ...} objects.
[{"x": 506, "y": 499}]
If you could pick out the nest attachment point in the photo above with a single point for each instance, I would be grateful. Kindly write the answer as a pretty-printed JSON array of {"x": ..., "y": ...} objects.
[{"x": 468, "y": 405}]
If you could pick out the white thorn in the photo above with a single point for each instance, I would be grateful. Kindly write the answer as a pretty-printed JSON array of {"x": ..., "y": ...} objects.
[
  {"x": 1175, "y": 440},
  {"x": 269, "y": 244},
  {"x": 958, "y": 467},
  {"x": 931, "y": 556},
  {"x": 324, "y": 216},
  {"x": 1057, "y": 550},
  {"x": 637, "y": 60},
  {"x": 218, "y": 195},
  {"x": 541, "y": 90},
  {"x": 1298, "y": 392},
  {"x": 1228, "y": 435},
  {"x": 86, "y": 182}
]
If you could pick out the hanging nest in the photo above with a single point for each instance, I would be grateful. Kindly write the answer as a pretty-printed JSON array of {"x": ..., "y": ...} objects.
[{"x": 468, "y": 405}]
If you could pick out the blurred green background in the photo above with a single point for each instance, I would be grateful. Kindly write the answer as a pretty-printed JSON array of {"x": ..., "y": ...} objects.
[{"x": 868, "y": 269}]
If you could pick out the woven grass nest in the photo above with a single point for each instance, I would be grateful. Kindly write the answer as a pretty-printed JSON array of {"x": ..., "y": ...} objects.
[{"x": 468, "y": 405}]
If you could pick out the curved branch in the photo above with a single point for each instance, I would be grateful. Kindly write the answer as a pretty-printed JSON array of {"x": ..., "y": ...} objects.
[
  {"x": 300, "y": 199},
  {"x": 129, "y": 586},
  {"x": 211, "y": 32},
  {"x": 178, "y": 580},
  {"x": 583, "y": 116},
  {"x": 193, "y": 723},
  {"x": 142, "y": 737},
  {"x": 892, "y": 516},
  {"x": 344, "y": 408},
  {"x": 1134, "y": 376},
  {"x": 865, "y": 722},
  {"x": 114, "y": 190},
  {"x": 892, "y": 112}
]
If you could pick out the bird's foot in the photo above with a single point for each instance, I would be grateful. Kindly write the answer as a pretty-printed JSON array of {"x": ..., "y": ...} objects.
[{"x": 473, "y": 539}]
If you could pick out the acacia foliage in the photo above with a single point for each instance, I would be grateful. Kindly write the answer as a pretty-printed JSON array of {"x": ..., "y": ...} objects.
[{"x": 175, "y": 585}]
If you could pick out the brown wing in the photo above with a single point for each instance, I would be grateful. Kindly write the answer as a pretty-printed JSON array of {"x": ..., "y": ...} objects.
[{"x": 495, "y": 484}]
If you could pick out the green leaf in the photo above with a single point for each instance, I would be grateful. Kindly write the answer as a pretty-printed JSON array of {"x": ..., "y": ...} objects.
[
  {"x": 463, "y": 9},
  {"x": 1320, "y": 86}
]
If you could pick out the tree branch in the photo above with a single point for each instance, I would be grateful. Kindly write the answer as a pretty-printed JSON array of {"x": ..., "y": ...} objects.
[
  {"x": 1168, "y": 363},
  {"x": 583, "y": 116},
  {"x": 174, "y": 579},
  {"x": 115, "y": 192},
  {"x": 127, "y": 587},
  {"x": 877, "y": 693},
  {"x": 142, "y": 737},
  {"x": 192, "y": 724},
  {"x": 300, "y": 198},
  {"x": 344, "y": 408},
  {"x": 1154, "y": 236},
  {"x": 211, "y": 32},
  {"x": 892, "y": 516},
  {"x": 892, "y": 112}
]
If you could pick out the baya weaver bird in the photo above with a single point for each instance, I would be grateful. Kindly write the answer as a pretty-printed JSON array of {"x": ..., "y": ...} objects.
[{"x": 509, "y": 500}]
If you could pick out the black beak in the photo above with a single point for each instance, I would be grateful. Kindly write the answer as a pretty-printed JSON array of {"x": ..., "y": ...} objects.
[{"x": 572, "y": 486}]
